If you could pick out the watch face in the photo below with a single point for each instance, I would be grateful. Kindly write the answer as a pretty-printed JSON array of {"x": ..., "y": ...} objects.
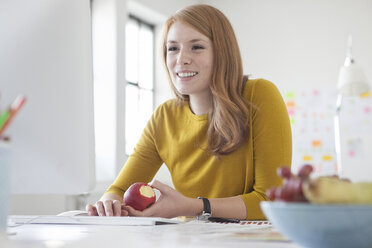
[{"x": 204, "y": 216}]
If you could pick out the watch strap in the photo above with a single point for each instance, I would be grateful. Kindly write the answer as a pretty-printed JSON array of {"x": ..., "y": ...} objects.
[{"x": 207, "y": 212}]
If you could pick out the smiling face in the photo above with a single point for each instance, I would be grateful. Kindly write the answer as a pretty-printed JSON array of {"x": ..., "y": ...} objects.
[{"x": 189, "y": 60}]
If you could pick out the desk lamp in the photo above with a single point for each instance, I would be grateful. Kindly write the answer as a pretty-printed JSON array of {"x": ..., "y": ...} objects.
[{"x": 351, "y": 82}]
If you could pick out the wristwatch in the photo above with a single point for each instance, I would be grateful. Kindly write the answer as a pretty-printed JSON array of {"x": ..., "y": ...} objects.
[{"x": 207, "y": 212}]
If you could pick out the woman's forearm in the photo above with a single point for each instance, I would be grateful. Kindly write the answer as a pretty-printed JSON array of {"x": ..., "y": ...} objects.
[{"x": 230, "y": 207}]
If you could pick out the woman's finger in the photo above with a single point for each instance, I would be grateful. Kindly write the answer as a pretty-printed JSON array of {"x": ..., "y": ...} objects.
[
  {"x": 159, "y": 186},
  {"x": 133, "y": 212},
  {"x": 124, "y": 211},
  {"x": 100, "y": 209},
  {"x": 116, "y": 207},
  {"x": 108, "y": 207},
  {"x": 91, "y": 210}
]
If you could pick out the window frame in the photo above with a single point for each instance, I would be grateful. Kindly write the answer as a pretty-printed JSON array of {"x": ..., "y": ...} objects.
[{"x": 140, "y": 23}]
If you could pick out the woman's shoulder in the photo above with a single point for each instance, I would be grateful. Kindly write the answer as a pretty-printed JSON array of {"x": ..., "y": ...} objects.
[
  {"x": 258, "y": 83},
  {"x": 259, "y": 86}
]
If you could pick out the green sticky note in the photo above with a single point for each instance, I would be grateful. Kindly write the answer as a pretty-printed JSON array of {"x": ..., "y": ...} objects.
[{"x": 290, "y": 94}]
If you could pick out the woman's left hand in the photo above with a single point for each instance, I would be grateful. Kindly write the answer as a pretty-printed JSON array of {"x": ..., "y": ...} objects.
[{"x": 170, "y": 204}]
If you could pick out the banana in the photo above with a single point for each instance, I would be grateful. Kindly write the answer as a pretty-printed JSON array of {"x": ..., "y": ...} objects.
[{"x": 332, "y": 190}]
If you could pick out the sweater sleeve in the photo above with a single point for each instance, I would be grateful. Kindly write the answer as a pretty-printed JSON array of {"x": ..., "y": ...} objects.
[
  {"x": 143, "y": 163},
  {"x": 272, "y": 143}
]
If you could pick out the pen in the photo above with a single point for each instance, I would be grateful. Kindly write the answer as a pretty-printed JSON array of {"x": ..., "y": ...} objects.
[
  {"x": 13, "y": 110},
  {"x": 4, "y": 117},
  {"x": 223, "y": 220}
]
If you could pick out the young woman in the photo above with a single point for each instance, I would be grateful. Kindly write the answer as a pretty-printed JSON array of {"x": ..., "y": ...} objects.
[{"x": 222, "y": 137}]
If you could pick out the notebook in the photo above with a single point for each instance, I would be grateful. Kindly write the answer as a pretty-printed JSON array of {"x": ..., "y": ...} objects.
[{"x": 90, "y": 220}]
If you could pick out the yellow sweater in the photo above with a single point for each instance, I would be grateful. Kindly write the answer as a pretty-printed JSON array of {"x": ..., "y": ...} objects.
[{"x": 176, "y": 137}]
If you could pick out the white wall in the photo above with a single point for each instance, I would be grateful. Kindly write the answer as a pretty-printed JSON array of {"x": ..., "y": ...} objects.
[
  {"x": 300, "y": 43},
  {"x": 165, "y": 7}
]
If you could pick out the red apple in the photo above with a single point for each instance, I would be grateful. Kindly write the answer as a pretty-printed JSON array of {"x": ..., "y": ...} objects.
[{"x": 139, "y": 196}]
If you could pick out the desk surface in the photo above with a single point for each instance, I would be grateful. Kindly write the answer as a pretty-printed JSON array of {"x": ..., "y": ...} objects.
[{"x": 190, "y": 234}]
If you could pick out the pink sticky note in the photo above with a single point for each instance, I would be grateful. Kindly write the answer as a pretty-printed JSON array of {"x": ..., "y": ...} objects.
[{"x": 351, "y": 153}]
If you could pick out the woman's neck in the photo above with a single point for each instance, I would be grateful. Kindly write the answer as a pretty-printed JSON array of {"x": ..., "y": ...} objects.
[{"x": 201, "y": 104}]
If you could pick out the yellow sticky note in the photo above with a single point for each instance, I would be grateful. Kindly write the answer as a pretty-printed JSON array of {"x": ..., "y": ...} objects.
[
  {"x": 366, "y": 94},
  {"x": 327, "y": 158},
  {"x": 307, "y": 158}
]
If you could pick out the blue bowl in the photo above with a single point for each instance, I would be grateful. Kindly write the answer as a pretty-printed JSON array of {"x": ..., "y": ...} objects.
[{"x": 317, "y": 226}]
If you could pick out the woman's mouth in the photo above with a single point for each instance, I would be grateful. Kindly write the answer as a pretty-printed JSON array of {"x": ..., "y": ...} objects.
[{"x": 186, "y": 74}]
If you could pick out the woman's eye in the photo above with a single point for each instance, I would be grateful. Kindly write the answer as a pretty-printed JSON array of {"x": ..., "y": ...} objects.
[
  {"x": 171, "y": 49},
  {"x": 196, "y": 47}
]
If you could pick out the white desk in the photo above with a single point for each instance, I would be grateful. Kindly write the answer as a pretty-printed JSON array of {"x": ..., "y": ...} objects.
[{"x": 190, "y": 234}]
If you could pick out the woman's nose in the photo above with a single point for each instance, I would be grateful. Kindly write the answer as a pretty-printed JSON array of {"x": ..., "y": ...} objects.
[{"x": 183, "y": 58}]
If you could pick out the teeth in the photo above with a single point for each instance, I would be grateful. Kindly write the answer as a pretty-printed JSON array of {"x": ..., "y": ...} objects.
[{"x": 186, "y": 74}]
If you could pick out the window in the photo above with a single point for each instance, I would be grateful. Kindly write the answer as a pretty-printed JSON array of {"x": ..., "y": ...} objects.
[
  {"x": 139, "y": 71},
  {"x": 110, "y": 72}
]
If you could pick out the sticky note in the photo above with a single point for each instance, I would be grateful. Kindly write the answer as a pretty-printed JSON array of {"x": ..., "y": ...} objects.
[
  {"x": 307, "y": 158},
  {"x": 290, "y": 104},
  {"x": 366, "y": 94},
  {"x": 290, "y": 94},
  {"x": 327, "y": 158},
  {"x": 316, "y": 143}
]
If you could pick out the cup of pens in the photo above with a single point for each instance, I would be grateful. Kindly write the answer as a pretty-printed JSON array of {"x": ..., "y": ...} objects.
[
  {"x": 4, "y": 182},
  {"x": 6, "y": 117}
]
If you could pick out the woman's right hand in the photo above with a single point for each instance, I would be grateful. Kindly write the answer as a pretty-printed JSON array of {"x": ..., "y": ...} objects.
[{"x": 108, "y": 205}]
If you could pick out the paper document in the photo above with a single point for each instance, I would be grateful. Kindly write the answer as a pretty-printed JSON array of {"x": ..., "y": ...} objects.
[{"x": 91, "y": 220}]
